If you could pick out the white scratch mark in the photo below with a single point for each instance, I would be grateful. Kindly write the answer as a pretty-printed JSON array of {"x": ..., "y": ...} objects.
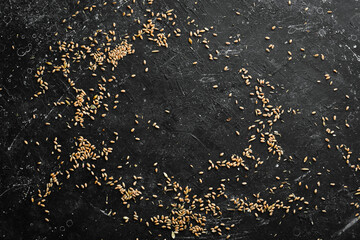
[
  {"x": 347, "y": 226},
  {"x": 230, "y": 52},
  {"x": 12, "y": 143},
  {"x": 357, "y": 56},
  {"x": 302, "y": 176},
  {"x": 207, "y": 78},
  {"x": 103, "y": 212}
]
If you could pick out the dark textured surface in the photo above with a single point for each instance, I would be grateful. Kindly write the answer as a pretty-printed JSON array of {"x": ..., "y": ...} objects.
[{"x": 196, "y": 129}]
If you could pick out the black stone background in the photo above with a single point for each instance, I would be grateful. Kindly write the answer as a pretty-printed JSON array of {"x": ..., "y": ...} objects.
[{"x": 196, "y": 129}]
